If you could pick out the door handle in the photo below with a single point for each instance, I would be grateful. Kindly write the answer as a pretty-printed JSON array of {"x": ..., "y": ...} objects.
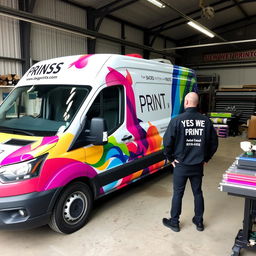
[{"x": 126, "y": 137}]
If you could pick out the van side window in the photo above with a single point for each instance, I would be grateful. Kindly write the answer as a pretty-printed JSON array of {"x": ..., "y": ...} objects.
[
  {"x": 65, "y": 102},
  {"x": 108, "y": 105}
]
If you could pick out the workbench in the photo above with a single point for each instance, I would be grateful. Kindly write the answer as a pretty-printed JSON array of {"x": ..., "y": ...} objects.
[{"x": 243, "y": 235}]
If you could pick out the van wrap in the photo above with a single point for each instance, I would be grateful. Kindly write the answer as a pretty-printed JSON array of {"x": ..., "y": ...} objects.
[
  {"x": 12, "y": 154},
  {"x": 99, "y": 159},
  {"x": 62, "y": 166},
  {"x": 145, "y": 141},
  {"x": 20, "y": 154}
]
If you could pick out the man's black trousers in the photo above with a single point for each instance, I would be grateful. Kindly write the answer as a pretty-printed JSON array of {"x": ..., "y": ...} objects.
[{"x": 180, "y": 176}]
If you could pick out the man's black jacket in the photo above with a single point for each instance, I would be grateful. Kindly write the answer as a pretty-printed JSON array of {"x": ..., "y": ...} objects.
[{"x": 190, "y": 138}]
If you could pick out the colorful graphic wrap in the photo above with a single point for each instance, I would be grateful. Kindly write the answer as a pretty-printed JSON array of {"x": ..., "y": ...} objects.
[
  {"x": 81, "y": 62},
  {"x": 63, "y": 165},
  {"x": 114, "y": 154},
  {"x": 132, "y": 123},
  {"x": 62, "y": 170},
  {"x": 28, "y": 152},
  {"x": 145, "y": 142},
  {"x": 183, "y": 82}
]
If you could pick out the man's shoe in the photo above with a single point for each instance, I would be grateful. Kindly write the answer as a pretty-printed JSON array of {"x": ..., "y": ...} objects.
[
  {"x": 199, "y": 225},
  {"x": 173, "y": 226}
]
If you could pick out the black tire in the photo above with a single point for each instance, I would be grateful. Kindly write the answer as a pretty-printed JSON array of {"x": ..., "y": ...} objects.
[{"x": 72, "y": 209}]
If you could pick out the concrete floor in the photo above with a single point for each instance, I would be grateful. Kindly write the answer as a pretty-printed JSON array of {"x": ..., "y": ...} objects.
[{"x": 130, "y": 222}]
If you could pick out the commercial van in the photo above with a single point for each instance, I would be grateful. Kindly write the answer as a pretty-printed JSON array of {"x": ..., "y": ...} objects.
[{"x": 77, "y": 128}]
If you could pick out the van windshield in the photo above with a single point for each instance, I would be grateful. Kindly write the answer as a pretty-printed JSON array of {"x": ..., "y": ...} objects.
[{"x": 41, "y": 110}]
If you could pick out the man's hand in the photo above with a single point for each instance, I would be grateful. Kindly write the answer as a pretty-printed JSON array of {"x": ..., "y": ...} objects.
[{"x": 174, "y": 163}]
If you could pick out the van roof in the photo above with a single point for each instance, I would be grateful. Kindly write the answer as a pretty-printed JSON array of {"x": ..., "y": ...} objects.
[{"x": 85, "y": 69}]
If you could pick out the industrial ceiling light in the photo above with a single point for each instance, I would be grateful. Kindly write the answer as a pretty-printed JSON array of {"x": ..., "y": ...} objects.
[
  {"x": 157, "y": 3},
  {"x": 201, "y": 28}
]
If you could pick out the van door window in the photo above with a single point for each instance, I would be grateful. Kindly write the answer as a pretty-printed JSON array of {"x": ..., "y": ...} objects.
[{"x": 108, "y": 105}]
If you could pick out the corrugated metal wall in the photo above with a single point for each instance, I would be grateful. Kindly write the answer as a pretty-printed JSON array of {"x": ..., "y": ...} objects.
[
  {"x": 110, "y": 28},
  {"x": 49, "y": 43},
  {"x": 233, "y": 77},
  {"x": 113, "y": 28},
  {"x": 104, "y": 46},
  {"x": 136, "y": 36},
  {"x": 10, "y": 41},
  {"x": 158, "y": 44}
]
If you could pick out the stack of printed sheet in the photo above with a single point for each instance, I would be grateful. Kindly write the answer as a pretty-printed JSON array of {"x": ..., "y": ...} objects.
[{"x": 240, "y": 177}]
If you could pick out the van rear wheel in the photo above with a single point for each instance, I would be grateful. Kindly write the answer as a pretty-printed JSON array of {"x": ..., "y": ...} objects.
[{"x": 72, "y": 209}]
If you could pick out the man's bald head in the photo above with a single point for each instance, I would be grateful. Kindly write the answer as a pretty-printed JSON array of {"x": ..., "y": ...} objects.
[{"x": 191, "y": 100}]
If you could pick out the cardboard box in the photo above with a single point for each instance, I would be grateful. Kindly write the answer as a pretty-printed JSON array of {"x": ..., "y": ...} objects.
[{"x": 252, "y": 128}]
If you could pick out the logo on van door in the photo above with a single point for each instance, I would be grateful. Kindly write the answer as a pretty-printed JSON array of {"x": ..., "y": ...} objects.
[{"x": 152, "y": 102}]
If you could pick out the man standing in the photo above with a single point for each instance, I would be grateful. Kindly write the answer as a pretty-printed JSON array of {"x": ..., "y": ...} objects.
[{"x": 189, "y": 141}]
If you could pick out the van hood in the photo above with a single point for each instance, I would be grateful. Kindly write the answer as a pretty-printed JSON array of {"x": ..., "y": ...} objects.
[{"x": 17, "y": 148}]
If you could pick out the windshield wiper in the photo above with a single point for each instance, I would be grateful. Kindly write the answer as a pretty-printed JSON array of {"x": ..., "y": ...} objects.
[{"x": 16, "y": 131}]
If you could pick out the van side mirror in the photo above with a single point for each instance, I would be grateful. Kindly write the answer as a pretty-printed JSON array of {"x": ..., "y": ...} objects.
[{"x": 98, "y": 134}]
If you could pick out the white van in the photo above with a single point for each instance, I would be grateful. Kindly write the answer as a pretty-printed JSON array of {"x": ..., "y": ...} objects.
[{"x": 76, "y": 128}]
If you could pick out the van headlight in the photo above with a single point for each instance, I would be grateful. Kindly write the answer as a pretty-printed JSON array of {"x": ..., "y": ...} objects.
[{"x": 21, "y": 171}]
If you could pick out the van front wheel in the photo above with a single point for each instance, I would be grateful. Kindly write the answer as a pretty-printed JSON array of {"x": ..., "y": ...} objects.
[{"x": 72, "y": 209}]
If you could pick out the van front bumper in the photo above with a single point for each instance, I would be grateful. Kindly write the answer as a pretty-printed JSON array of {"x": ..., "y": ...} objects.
[{"x": 28, "y": 210}]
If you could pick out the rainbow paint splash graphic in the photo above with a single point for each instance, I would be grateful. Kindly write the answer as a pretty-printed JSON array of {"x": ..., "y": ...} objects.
[
  {"x": 184, "y": 81},
  {"x": 145, "y": 141},
  {"x": 29, "y": 151}
]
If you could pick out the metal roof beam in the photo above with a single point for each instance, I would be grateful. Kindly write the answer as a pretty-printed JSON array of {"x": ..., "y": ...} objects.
[
  {"x": 160, "y": 26},
  {"x": 32, "y": 5},
  {"x": 127, "y": 23},
  {"x": 243, "y": 23},
  {"x": 237, "y": 22},
  {"x": 25, "y": 34},
  {"x": 195, "y": 18},
  {"x": 241, "y": 8},
  {"x": 198, "y": 17},
  {"x": 75, "y": 4},
  {"x": 27, "y": 6},
  {"x": 187, "y": 18},
  {"x": 105, "y": 10},
  {"x": 50, "y": 23},
  {"x": 210, "y": 44}
]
